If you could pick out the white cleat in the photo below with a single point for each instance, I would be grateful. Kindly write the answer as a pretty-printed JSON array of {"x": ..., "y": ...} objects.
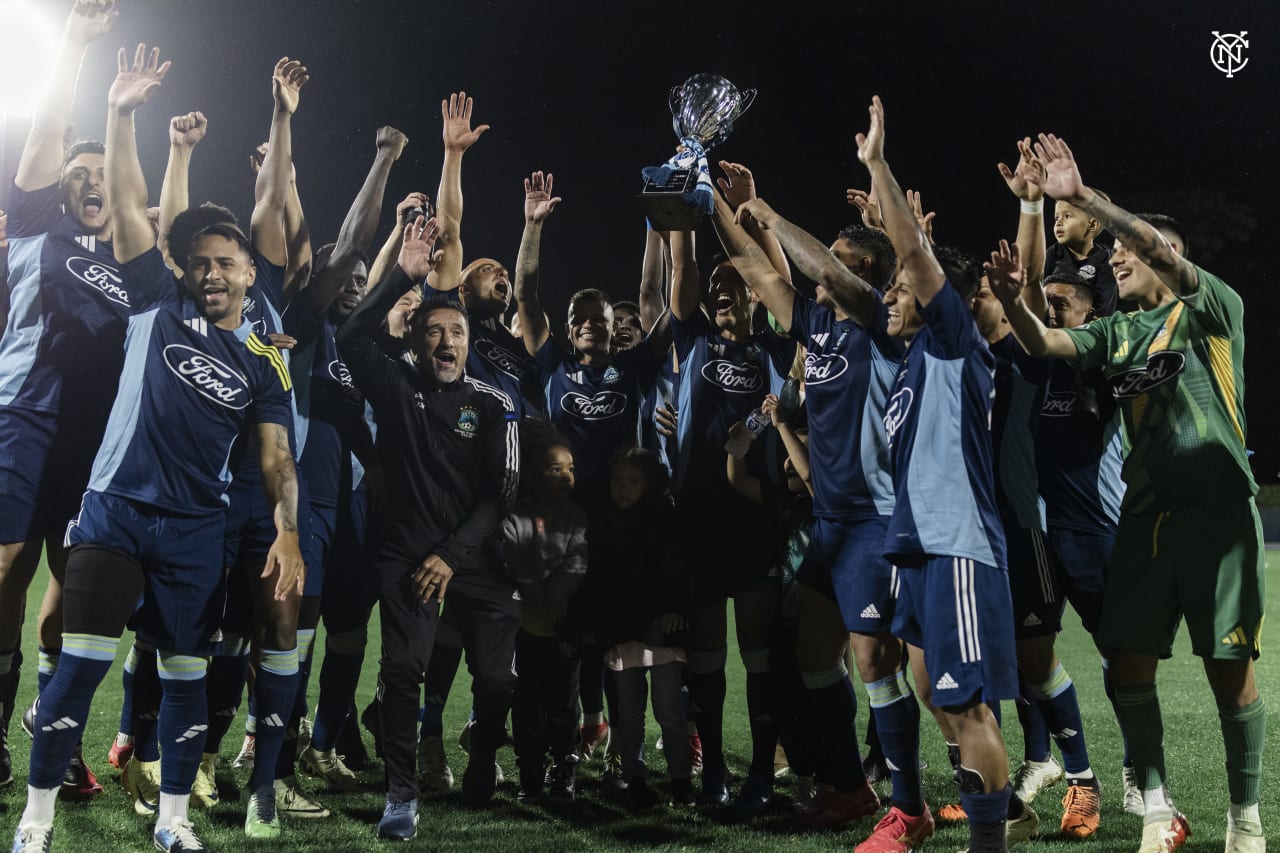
[
  {"x": 1034, "y": 776},
  {"x": 292, "y": 803},
  {"x": 329, "y": 767},
  {"x": 1132, "y": 793}
]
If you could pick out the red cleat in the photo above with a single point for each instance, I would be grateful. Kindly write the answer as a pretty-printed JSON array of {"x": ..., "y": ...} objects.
[
  {"x": 119, "y": 755},
  {"x": 695, "y": 755},
  {"x": 1165, "y": 836},
  {"x": 834, "y": 808},
  {"x": 79, "y": 783},
  {"x": 898, "y": 832}
]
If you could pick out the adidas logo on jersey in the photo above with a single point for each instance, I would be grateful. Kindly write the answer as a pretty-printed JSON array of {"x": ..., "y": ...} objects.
[
  {"x": 820, "y": 339},
  {"x": 870, "y": 612},
  {"x": 946, "y": 682},
  {"x": 1031, "y": 621}
]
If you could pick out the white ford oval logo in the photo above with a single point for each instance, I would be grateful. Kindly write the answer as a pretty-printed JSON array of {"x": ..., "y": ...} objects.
[
  {"x": 210, "y": 377},
  {"x": 604, "y": 405},
  {"x": 895, "y": 414},
  {"x": 824, "y": 368},
  {"x": 734, "y": 378},
  {"x": 101, "y": 277}
]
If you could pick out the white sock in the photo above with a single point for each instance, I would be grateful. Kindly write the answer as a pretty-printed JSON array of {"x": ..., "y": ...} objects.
[
  {"x": 172, "y": 807},
  {"x": 1156, "y": 804},
  {"x": 1087, "y": 773},
  {"x": 39, "y": 810},
  {"x": 1238, "y": 814},
  {"x": 123, "y": 739}
]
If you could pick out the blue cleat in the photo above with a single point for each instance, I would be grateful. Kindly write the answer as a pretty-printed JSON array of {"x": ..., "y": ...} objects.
[{"x": 399, "y": 820}]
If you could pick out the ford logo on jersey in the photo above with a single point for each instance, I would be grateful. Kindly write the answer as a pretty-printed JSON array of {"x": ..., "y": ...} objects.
[
  {"x": 340, "y": 374},
  {"x": 1161, "y": 367},
  {"x": 1059, "y": 404},
  {"x": 895, "y": 414},
  {"x": 210, "y": 377},
  {"x": 734, "y": 378},
  {"x": 100, "y": 277},
  {"x": 824, "y": 368},
  {"x": 604, "y": 405},
  {"x": 500, "y": 357}
]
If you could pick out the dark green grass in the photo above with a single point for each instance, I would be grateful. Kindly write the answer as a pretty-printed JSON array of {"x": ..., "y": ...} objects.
[{"x": 1192, "y": 740}]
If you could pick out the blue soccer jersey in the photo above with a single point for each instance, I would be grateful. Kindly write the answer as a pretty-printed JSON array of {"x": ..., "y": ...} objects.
[
  {"x": 188, "y": 388},
  {"x": 63, "y": 346},
  {"x": 848, "y": 371},
  {"x": 938, "y": 427},
  {"x": 1020, "y": 389}
]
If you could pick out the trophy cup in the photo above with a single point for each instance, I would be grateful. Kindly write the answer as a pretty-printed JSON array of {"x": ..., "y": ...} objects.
[{"x": 703, "y": 110}]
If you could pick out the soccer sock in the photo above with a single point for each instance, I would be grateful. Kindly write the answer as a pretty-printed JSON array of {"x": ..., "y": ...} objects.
[
  {"x": 1035, "y": 729},
  {"x": 1109, "y": 688},
  {"x": 126, "y": 687},
  {"x": 47, "y": 666},
  {"x": 40, "y": 806},
  {"x": 760, "y": 713},
  {"x": 64, "y": 705},
  {"x": 147, "y": 702},
  {"x": 172, "y": 807},
  {"x": 1138, "y": 709},
  {"x": 835, "y": 708},
  {"x": 706, "y": 693},
  {"x": 897, "y": 715},
  {"x": 227, "y": 675},
  {"x": 184, "y": 719},
  {"x": 987, "y": 812},
  {"x": 442, "y": 669},
  {"x": 288, "y": 754},
  {"x": 275, "y": 689},
  {"x": 339, "y": 677},
  {"x": 1061, "y": 710},
  {"x": 1244, "y": 731}
]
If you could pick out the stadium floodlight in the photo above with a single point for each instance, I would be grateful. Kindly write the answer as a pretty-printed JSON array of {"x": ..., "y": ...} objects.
[{"x": 28, "y": 43}]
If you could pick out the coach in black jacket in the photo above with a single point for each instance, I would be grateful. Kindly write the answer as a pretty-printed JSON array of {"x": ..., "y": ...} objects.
[{"x": 450, "y": 452}]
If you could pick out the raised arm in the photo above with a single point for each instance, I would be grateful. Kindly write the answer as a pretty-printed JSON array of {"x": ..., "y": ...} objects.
[
  {"x": 1061, "y": 180},
  {"x": 41, "y": 158},
  {"x": 653, "y": 280},
  {"x": 185, "y": 133},
  {"x": 773, "y": 291},
  {"x": 126, "y": 186},
  {"x": 1030, "y": 239},
  {"x": 391, "y": 248},
  {"x": 272, "y": 188},
  {"x": 458, "y": 137},
  {"x": 280, "y": 481},
  {"x": 538, "y": 205},
  {"x": 909, "y": 239},
  {"x": 685, "y": 284},
  {"x": 1007, "y": 277},
  {"x": 739, "y": 187},
  {"x": 359, "y": 225}
]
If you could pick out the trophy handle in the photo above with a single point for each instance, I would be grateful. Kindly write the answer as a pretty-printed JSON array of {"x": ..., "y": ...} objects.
[
  {"x": 673, "y": 100},
  {"x": 747, "y": 99}
]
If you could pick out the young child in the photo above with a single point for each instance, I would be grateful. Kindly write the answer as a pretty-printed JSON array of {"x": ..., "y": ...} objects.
[
  {"x": 545, "y": 546},
  {"x": 1077, "y": 252}
]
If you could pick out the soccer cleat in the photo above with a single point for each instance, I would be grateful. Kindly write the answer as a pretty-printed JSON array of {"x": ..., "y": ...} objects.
[
  {"x": 291, "y": 802},
  {"x": 952, "y": 813},
  {"x": 120, "y": 753},
  {"x": 78, "y": 781},
  {"x": 1132, "y": 793},
  {"x": 480, "y": 778},
  {"x": 1032, "y": 777},
  {"x": 1081, "y": 808},
  {"x": 28, "y": 720},
  {"x": 1165, "y": 836},
  {"x": 594, "y": 737},
  {"x": 204, "y": 790},
  {"x": 781, "y": 765},
  {"x": 898, "y": 832},
  {"x": 261, "y": 820},
  {"x": 754, "y": 798},
  {"x": 304, "y": 735},
  {"x": 245, "y": 758},
  {"x": 875, "y": 768},
  {"x": 433, "y": 766},
  {"x": 715, "y": 786},
  {"x": 833, "y": 808},
  {"x": 351, "y": 746},
  {"x": 329, "y": 767},
  {"x": 562, "y": 779},
  {"x": 1244, "y": 836},
  {"x": 611, "y": 779},
  {"x": 142, "y": 780},
  {"x": 1021, "y": 828},
  {"x": 805, "y": 795},
  {"x": 33, "y": 839},
  {"x": 399, "y": 820},
  {"x": 695, "y": 755},
  {"x": 178, "y": 837}
]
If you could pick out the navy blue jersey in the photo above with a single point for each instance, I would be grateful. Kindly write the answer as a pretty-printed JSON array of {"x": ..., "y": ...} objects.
[
  {"x": 1020, "y": 388},
  {"x": 666, "y": 385},
  {"x": 596, "y": 408},
  {"x": 1079, "y": 451},
  {"x": 938, "y": 423},
  {"x": 63, "y": 346},
  {"x": 498, "y": 358},
  {"x": 187, "y": 390},
  {"x": 721, "y": 381},
  {"x": 848, "y": 373}
]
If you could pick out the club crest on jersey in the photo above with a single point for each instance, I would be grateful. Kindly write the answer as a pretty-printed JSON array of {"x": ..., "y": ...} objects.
[
  {"x": 824, "y": 368},
  {"x": 501, "y": 358},
  {"x": 1087, "y": 272},
  {"x": 1161, "y": 367},
  {"x": 734, "y": 378},
  {"x": 895, "y": 414},
  {"x": 1059, "y": 404},
  {"x": 101, "y": 277},
  {"x": 468, "y": 421},
  {"x": 213, "y": 379},
  {"x": 611, "y": 375},
  {"x": 600, "y": 407},
  {"x": 249, "y": 307}
]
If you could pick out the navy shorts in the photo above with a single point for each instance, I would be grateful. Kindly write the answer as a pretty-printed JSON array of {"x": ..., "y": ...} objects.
[
  {"x": 960, "y": 613},
  {"x": 351, "y": 582},
  {"x": 845, "y": 562},
  {"x": 182, "y": 601},
  {"x": 1080, "y": 560},
  {"x": 45, "y": 463},
  {"x": 1037, "y": 600}
]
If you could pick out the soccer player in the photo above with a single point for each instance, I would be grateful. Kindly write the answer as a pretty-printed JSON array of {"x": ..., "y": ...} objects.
[
  {"x": 151, "y": 522},
  {"x": 1189, "y": 540},
  {"x": 60, "y": 360}
]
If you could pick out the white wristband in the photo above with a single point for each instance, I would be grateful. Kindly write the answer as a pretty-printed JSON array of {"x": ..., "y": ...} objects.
[{"x": 1036, "y": 206}]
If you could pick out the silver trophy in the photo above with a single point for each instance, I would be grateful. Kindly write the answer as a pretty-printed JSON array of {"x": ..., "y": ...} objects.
[{"x": 703, "y": 110}]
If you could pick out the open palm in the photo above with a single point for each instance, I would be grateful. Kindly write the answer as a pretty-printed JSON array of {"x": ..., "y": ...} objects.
[
  {"x": 287, "y": 81},
  {"x": 458, "y": 133},
  {"x": 1061, "y": 178},
  {"x": 135, "y": 84}
]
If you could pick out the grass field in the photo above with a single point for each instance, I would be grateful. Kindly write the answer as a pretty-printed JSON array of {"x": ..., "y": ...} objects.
[{"x": 1192, "y": 741}]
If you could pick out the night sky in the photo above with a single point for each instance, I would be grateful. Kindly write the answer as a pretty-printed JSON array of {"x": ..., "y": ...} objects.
[{"x": 580, "y": 89}]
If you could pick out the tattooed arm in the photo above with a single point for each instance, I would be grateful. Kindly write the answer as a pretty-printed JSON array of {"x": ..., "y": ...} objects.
[{"x": 280, "y": 481}]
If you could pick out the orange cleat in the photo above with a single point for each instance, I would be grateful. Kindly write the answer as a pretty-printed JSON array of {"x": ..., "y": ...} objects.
[
  {"x": 952, "y": 813},
  {"x": 1081, "y": 808}
]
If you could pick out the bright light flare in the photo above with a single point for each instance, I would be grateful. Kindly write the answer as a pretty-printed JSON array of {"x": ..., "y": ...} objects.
[{"x": 28, "y": 44}]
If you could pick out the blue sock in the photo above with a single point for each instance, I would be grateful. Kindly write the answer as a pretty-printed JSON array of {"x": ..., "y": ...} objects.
[
  {"x": 147, "y": 700},
  {"x": 275, "y": 689},
  {"x": 835, "y": 707},
  {"x": 1035, "y": 729},
  {"x": 184, "y": 719},
  {"x": 64, "y": 705},
  {"x": 897, "y": 716},
  {"x": 1061, "y": 710},
  {"x": 1109, "y": 688},
  {"x": 45, "y": 669},
  {"x": 126, "y": 686},
  {"x": 339, "y": 677},
  {"x": 987, "y": 809},
  {"x": 289, "y": 749},
  {"x": 227, "y": 675},
  {"x": 442, "y": 669},
  {"x": 761, "y": 714}
]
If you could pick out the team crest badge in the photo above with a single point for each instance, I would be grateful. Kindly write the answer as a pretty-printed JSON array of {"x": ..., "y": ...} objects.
[
  {"x": 468, "y": 420},
  {"x": 611, "y": 375}
]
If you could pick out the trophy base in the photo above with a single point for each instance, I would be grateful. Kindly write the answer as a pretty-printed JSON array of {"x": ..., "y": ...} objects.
[{"x": 665, "y": 203}]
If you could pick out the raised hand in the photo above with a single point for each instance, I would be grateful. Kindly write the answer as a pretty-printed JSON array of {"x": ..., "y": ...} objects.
[
  {"x": 457, "y": 133},
  {"x": 90, "y": 20},
  {"x": 413, "y": 201},
  {"x": 871, "y": 143},
  {"x": 187, "y": 131},
  {"x": 1017, "y": 179},
  {"x": 392, "y": 140},
  {"x": 1061, "y": 176},
  {"x": 287, "y": 81},
  {"x": 738, "y": 184},
  {"x": 1005, "y": 273},
  {"x": 418, "y": 256},
  {"x": 258, "y": 157},
  {"x": 757, "y": 210},
  {"x": 868, "y": 206},
  {"x": 925, "y": 219},
  {"x": 134, "y": 85},
  {"x": 538, "y": 201}
]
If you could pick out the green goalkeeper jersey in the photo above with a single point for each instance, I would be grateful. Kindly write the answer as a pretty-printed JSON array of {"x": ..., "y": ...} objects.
[{"x": 1177, "y": 373}]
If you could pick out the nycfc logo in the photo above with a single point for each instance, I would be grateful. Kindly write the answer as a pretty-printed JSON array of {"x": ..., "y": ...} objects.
[
  {"x": 1161, "y": 367},
  {"x": 1227, "y": 52},
  {"x": 601, "y": 407},
  {"x": 500, "y": 358},
  {"x": 210, "y": 377},
  {"x": 734, "y": 378},
  {"x": 100, "y": 277},
  {"x": 1060, "y": 404},
  {"x": 824, "y": 368},
  {"x": 895, "y": 415}
]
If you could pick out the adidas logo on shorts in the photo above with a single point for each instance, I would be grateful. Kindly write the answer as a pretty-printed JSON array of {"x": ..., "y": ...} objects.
[
  {"x": 870, "y": 612},
  {"x": 1031, "y": 621},
  {"x": 946, "y": 682}
]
